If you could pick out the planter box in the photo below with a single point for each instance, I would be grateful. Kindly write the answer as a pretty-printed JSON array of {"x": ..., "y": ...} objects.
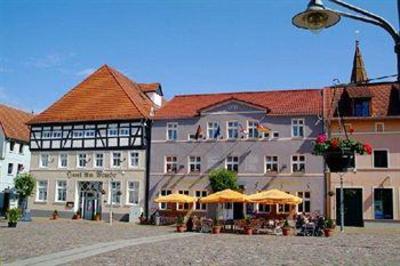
[{"x": 338, "y": 161}]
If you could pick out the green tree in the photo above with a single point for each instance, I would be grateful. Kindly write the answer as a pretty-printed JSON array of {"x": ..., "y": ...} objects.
[
  {"x": 24, "y": 185},
  {"x": 221, "y": 179}
]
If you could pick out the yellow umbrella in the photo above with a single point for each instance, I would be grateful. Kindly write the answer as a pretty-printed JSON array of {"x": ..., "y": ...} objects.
[
  {"x": 274, "y": 196},
  {"x": 223, "y": 196},
  {"x": 175, "y": 198}
]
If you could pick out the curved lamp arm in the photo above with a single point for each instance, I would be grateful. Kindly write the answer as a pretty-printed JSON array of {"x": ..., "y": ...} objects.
[{"x": 369, "y": 18}]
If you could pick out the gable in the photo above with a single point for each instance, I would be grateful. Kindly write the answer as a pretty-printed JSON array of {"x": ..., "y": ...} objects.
[{"x": 233, "y": 106}]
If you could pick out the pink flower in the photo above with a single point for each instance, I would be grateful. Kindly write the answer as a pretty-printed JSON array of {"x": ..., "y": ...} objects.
[{"x": 321, "y": 138}]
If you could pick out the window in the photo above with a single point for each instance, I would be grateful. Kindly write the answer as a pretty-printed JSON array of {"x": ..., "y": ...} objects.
[
  {"x": 361, "y": 107},
  {"x": 271, "y": 164},
  {"x": 20, "y": 168},
  {"x": 133, "y": 192},
  {"x": 283, "y": 208},
  {"x": 264, "y": 207},
  {"x": 379, "y": 127},
  {"x": 44, "y": 160},
  {"x": 305, "y": 206},
  {"x": 194, "y": 164},
  {"x": 57, "y": 134},
  {"x": 232, "y": 163},
  {"x": 233, "y": 130},
  {"x": 275, "y": 134},
  {"x": 381, "y": 159},
  {"x": 21, "y": 148},
  {"x": 116, "y": 159},
  {"x": 212, "y": 130},
  {"x": 172, "y": 131},
  {"x": 124, "y": 132},
  {"x": 99, "y": 160},
  {"x": 298, "y": 128},
  {"x": 90, "y": 133},
  {"x": 183, "y": 206},
  {"x": 41, "y": 190},
  {"x": 113, "y": 132},
  {"x": 77, "y": 134},
  {"x": 298, "y": 163},
  {"x": 46, "y": 134},
  {"x": 63, "y": 160},
  {"x": 134, "y": 159},
  {"x": 252, "y": 130},
  {"x": 171, "y": 164},
  {"x": 82, "y": 160},
  {"x": 115, "y": 192},
  {"x": 200, "y": 194},
  {"x": 61, "y": 190},
  {"x": 164, "y": 192},
  {"x": 12, "y": 145},
  {"x": 10, "y": 169}
]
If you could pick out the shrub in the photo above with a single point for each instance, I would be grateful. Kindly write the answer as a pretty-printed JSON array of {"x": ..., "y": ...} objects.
[
  {"x": 13, "y": 215},
  {"x": 24, "y": 184},
  {"x": 221, "y": 179}
]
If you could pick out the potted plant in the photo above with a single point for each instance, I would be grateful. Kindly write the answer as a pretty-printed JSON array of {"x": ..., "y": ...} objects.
[
  {"x": 286, "y": 228},
  {"x": 180, "y": 224},
  {"x": 216, "y": 229},
  {"x": 77, "y": 216},
  {"x": 329, "y": 227},
  {"x": 248, "y": 228},
  {"x": 55, "y": 215},
  {"x": 13, "y": 216},
  {"x": 338, "y": 152}
]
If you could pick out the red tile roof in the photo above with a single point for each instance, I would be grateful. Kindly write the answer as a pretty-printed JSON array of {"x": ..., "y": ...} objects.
[
  {"x": 13, "y": 123},
  {"x": 384, "y": 99},
  {"x": 284, "y": 102},
  {"x": 149, "y": 87},
  {"x": 104, "y": 95}
]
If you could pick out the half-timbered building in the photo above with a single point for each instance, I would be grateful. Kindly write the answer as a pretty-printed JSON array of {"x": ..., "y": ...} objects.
[{"x": 90, "y": 148}]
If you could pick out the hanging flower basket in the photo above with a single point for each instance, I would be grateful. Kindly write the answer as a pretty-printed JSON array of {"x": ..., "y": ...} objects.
[{"x": 339, "y": 153}]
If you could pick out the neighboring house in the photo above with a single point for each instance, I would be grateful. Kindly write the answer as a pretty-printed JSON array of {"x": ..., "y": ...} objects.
[
  {"x": 266, "y": 137},
  {"x": 14, "y": 149},
  {"x": 89, "y": 149},
  {"x": 372, "y": 111}
]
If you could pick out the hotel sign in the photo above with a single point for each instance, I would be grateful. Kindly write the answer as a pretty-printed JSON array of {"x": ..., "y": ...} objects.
[{"x": 92, "y": 174}]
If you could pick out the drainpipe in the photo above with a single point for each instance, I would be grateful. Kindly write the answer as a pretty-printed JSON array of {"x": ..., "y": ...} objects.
[{"x": 147, "y": 174}]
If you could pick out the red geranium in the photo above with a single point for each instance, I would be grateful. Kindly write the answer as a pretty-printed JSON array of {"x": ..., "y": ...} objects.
[
  {"x": 335, "y": 143},
  {"x": 367, "y": 148}
]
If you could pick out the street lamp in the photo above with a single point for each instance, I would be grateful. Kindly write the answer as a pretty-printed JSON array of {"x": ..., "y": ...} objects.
[{"x": 317, "y": 17}]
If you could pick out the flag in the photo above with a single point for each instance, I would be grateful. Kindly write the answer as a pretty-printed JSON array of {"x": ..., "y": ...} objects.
[
  {"x": 261, "y": 128},
  {"x": 242, "y": 129},
  {"x": 199, "y": 132},
  {"x": 217, "y": 132}
]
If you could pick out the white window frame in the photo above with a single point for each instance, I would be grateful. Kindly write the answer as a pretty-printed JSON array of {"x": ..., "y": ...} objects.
[
  {"x": 166, "y": 162},
  {"x": 41, "y": 165},
  {"x": 131, "y": 157},
  {"x": 60, "y": 160},
  {"x": 232, "y": 128},
  {"x": 46, "y": 134},
  {"x": 381, "y": 124},
  {"x": 232, "y": 162},
  {"x": 12, "y": 169},
  {"x": 38, "y": 187},
  {"x": 173, "y": 129},
  {"x": 212, "y": 127},
  {"x": 271, "y": 162},
  {"x": 195, "y": 162},
  {"x": 120, "y": 159},
  {"x": 95, "y": 165},
  {"x": 114, "y": 190},
  {"x": 200, "y": 194},
  {"x": 164, "y": 192},
  {"x": 77, "y": 134},
  {"x": 298, "y": 123},
  {"x": 373, "y": 159},
  {"x": 124, "y": 132},
  {"x": 270, "y": 206},
  {"x": 56, "y": 194},
  {"x": 252, "y": 127},
  {"x": 272, "y": 136},
  {"x": 182, "y": 206},
  {"x": 298, "y": 162},
  {"x": 112, "y": 131},
  {"x": 78, "y": 160},
  {"x": 132, "y": 190},
  {"x": 303, "y": 204},
  {"x": 90, "y": 133},
  {"x": 57, "y": 134}
]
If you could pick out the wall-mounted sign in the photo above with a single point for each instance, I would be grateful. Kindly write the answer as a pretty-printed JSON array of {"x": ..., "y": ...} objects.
[{"x": 94, "y": 174}]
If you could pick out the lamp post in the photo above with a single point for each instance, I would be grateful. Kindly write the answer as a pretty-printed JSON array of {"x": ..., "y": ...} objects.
[{"x": 317, "y": 17}]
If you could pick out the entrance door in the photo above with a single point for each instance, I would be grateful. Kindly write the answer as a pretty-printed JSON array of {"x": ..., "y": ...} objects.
[
  {"x": 237, "y": 211},
  {"x": 228, "y": 210},
  {"x": 353, "y": 207},
  {"x": 383, "y": 203},
  {"x": 90, "y": 199}
]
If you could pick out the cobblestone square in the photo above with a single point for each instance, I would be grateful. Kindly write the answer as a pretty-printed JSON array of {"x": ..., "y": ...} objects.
[{"x": 376, "y": 244}]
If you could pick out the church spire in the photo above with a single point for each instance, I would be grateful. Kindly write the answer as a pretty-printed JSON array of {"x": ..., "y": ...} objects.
[{"x": 358, "y": 74}]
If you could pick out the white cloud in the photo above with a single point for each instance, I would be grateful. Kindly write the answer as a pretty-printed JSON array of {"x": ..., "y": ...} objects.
[
  {"x": 86, "y": 72},
  {"x": 52, "y": 60}
]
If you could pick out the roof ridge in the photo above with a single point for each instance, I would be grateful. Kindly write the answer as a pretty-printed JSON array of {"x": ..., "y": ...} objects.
[
  {"x": 111, "y": 70},
  {"x": 16, "y": 109}
]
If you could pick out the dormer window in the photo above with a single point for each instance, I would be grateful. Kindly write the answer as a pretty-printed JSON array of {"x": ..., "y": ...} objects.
[
  {"x": 172, "y": 131},
  {"x": 361, "y": 107}
]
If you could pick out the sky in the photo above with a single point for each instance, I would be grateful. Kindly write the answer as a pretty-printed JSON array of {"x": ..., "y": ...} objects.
[{"x": 190, "y": 47}]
